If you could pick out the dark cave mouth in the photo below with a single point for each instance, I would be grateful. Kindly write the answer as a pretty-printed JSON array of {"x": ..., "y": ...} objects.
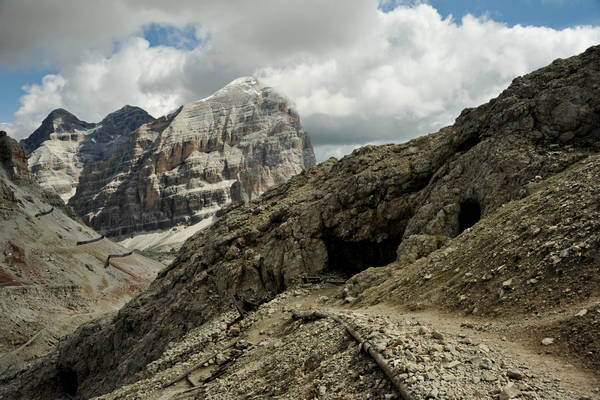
[
  {"x": 67, "y": 379},
  {"x": 469, "y": 215},
  {"x": 348, "y": 258}
]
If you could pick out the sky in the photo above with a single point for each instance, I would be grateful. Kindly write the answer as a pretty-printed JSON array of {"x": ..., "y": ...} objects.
[{"x": 360, "y": 72}]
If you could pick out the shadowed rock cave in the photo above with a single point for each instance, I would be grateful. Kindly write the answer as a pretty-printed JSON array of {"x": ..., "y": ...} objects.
[
  {"x": 350, "y": 258},
  {"x": 470, "y": 214},
  {"x": 67, "y": 379},
  {"x": 468, "y": 144}
]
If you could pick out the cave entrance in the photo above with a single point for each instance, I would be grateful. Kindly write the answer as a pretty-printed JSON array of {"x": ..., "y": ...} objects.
[
  {"x": 67, "y": 379},
  {"x": 470, "y": 214},
  {"x": 350, "y": 258}
]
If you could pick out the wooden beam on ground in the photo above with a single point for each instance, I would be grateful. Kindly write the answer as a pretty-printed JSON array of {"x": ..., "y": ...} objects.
[
  {"x": 365, "y": 345},
  {"x": 79, "y": 243},
  {"x": 188, "y": 371},
  {"x": 41, "y": 214}
]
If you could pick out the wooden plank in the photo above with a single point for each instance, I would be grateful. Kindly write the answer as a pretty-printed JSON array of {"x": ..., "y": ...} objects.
[{"x": 365, "y": 345}]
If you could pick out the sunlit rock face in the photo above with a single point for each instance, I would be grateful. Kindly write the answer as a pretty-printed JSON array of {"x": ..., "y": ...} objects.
[{"x": 182, "y": 168}]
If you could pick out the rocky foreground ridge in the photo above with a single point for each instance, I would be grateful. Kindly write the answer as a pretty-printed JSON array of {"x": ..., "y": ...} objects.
[{"x": 493, "y": 219}]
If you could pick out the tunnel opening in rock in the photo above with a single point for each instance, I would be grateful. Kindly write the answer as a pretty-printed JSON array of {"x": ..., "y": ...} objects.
[
  {"x": 67, "y": 379},
  {"x": 349, "y": 258},
  {"x": 468, "y": 144},
  {"x": 470, "y": 214}
]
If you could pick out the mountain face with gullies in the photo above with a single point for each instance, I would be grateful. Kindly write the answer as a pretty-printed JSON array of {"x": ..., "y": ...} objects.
[{"x": 151, "y": 175}]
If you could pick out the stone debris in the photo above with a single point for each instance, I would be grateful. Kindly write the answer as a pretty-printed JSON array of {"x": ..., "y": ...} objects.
[
  {"x": 547, "y": 341},
  {"x": 320, "y": 360}
]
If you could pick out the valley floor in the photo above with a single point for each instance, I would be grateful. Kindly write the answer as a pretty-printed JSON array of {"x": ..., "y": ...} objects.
[{"x": 271, "y": 354}]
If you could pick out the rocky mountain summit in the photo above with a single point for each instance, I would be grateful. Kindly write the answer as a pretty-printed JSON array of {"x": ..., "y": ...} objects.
[
  {"x": 54, "y": 273},
  {"x": 58, "y": 121},
  {"x": 183, "y": 168},
  {"x": 63, "y": 145},
  {"x": 468, "y": 259}
]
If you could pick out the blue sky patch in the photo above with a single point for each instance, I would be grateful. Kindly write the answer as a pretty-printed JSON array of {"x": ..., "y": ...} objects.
[
  {"x": 557, "y": 14},
  {"x": 11, "y": 83},
  {"x": 172, "y": 36}
]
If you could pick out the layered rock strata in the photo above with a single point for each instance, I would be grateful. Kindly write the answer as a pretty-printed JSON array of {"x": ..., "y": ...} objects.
[{"x": 13, "y": 157}]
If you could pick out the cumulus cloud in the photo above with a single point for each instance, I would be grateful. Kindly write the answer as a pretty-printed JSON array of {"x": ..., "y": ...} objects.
[{"x": 357, "y": 74}]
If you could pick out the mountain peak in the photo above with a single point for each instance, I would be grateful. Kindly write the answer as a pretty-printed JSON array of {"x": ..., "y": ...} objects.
[
  {"x": 58, "y": 112},
  {"x": 59, "y": 120},
  {"x": 56, "y": 164},
  {"x": 244, "y": 80},
  {"x": 239, "y": 87},
  {"x": 126, "y": 112}
]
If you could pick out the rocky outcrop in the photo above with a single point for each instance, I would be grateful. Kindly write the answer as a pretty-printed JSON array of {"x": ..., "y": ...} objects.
[
  {"x": 186, "y": 166},
  {"x": 13, "y": 157},
  {"x": 421, "y": 199},
  {"x": 56, "y": 164},
  {"x": 63, "y": 145},
  {"x": 112, "y": 132}
]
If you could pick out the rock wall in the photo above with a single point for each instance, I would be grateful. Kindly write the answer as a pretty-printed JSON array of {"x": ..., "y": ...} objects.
[
  {"x": 13, "y": 157},
  {"x": 58, "y": 121}
]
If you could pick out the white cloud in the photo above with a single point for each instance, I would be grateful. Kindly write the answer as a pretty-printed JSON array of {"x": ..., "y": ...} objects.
[{"x": 356, "y": 74}]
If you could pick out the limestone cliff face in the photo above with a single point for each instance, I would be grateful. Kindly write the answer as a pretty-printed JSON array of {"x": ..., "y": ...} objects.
[
  {"x": 56, "y": 163},
  {"x": 63, "y": 145},
  {"x": 186, "y": 166}
]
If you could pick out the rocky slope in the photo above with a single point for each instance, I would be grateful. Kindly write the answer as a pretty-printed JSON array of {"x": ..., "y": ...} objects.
[
  {"x": 48, "y": 283},
  {"x": 186, "y": 166},
  {"x": 63, "y": 145},
  {"x": 472, "y": 219}
]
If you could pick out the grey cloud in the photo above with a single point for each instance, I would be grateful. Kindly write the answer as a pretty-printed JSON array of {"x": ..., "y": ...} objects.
[{"x": 327, "y": 130}]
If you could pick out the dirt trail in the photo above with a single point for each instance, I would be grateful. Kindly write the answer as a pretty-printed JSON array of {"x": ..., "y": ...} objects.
[
  {"x": 273, "y": 345},
  {"x": 508, "y": 334}
]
